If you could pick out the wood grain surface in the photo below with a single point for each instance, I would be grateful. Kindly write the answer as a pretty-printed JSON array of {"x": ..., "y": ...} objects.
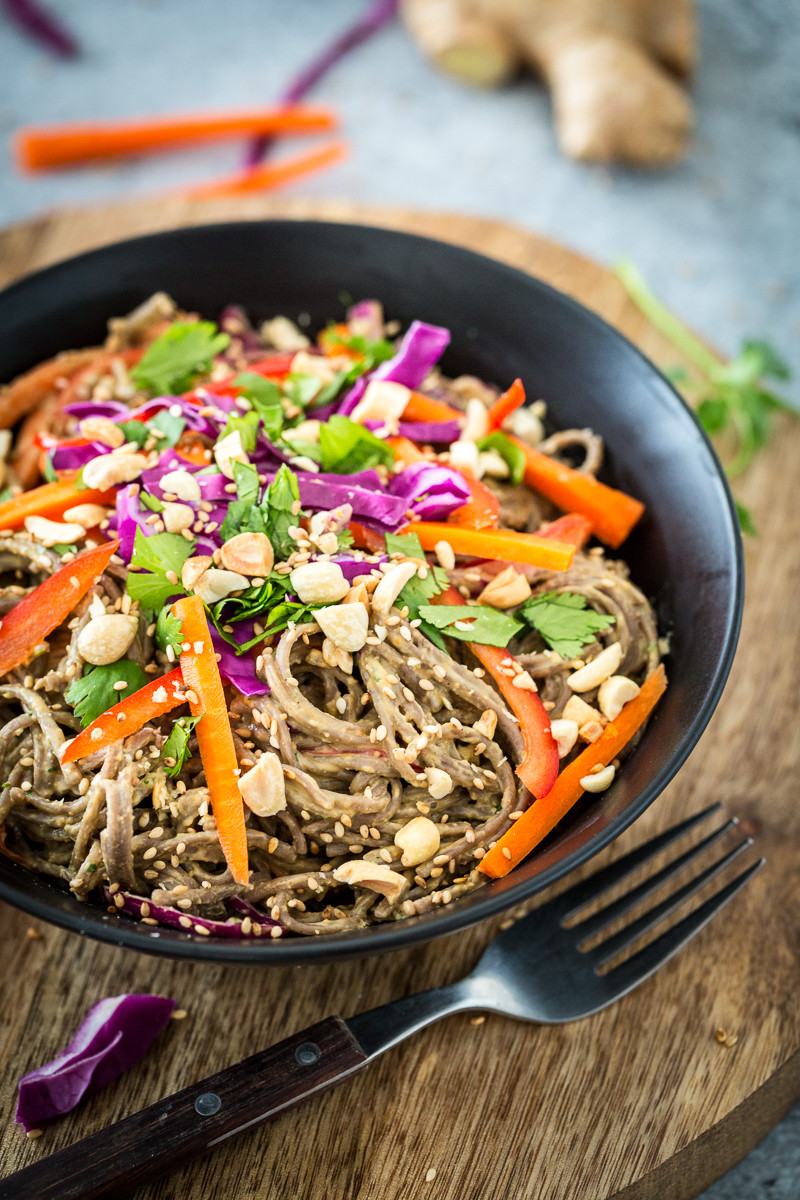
[{"x": 638, "y": 1103}]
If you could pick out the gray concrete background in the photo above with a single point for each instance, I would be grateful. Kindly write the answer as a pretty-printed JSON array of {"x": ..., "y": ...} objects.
[{"x": 718, "y": 237}]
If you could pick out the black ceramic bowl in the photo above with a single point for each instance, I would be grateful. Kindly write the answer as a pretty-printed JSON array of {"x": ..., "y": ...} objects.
[{"x": 685, "y": 553}]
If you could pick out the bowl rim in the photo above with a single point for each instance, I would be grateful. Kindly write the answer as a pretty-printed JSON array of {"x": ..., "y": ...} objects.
[{"x": 497, "y": 895}]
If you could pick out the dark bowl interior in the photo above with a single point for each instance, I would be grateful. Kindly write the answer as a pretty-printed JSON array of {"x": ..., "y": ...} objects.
[{"x": 685, "y": 553}]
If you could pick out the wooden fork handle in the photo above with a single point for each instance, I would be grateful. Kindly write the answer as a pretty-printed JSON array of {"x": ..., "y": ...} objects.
[{"x": 188, "y": 1124}]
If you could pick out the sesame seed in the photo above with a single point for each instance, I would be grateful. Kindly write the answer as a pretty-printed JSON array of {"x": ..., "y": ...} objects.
[
  {"x": 272, "y": 845},
  {"x": 430, "y": 1174},
  {"x": 506, "y": 853}
]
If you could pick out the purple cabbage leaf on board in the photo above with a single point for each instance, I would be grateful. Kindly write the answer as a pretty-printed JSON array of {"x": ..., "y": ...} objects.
[{"x": 113, "y": 1036}]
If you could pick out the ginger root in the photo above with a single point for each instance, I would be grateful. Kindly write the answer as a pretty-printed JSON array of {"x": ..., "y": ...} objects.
[{"x": 611, "y": 65}]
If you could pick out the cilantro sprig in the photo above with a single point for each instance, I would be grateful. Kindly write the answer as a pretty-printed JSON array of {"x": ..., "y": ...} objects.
[
  {"x": 175, "y": 750},
  {"x": 175, "y": 359},
  {"x": 157, "y": 555},
  {"x": 472, "y": 623},
  {"x": 347, "y": 447},
  {"x": 418, "y": 592},
  {"x": 564, "y": 621},
  {"x": 727, "y": 397},
  {"x": 94, "y": 693}
]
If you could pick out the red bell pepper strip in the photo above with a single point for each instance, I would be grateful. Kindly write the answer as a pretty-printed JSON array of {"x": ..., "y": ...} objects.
[
  {"x": 367, "y": 539},
  {"x": 506, "y": 404},
  {"x": 157, "y": 697},
  {"x": 572, "y": 527},
  {"x": 504, "y": 544},
  {"x": 482, "y": 510},
  {"x": 539, "y": 768},
  {"x": 541, "y": 818},
  {"x": 613, "y": 514},
  {"x": 38, "y": 613},
  {"x": 207, "y": 701},
  {"x": 50, "y": 500}
]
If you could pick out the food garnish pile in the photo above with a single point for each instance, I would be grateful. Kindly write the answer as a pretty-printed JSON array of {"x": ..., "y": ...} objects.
[{"x": 301, "y": 636}]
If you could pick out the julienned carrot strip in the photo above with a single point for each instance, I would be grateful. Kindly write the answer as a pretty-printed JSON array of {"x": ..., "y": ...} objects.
[
  {"x": 572, "y": 527},
  {"x": 49, "y": 500},
  {"x": 539, "y": 768},
  {"x": 157, "y": 697},
  {"x": 425, "y": 408},
  {"x": 504, "y": 544},
  {"x": 482, "y": 510},
  {"x": 506, "y": 404},
  {"x": 542, "y": 817},
  {"x": 38, "y": 613},
  {"x": 405, "y": 451},
  {"x": 207, "y": 701},
  {"x": 39, "y": 148},
  {"x": 270, "y": 175},
  {"x": 613, "y": 514}
]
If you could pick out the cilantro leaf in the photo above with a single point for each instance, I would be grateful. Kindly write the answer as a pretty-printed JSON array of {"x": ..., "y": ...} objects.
[
  {"x": 247, "y": 426},
  {"x": 417, "y": 592},
  {"x": 175, "y": 359},
  {"x": 168, "y": 631},
  {"x": 300, "y": 447},
  {"x": 487, "y": 626},
  {"x": 167, "y": 428},
  {"x": 156, "y": 554},
  {"x": 348, "y": 447},
  {"x": 265, "y": 398},
  {"x": 267, "y": 603},
  {"x": 176, "y": 747},
  {"x": 301, "y": 389},
  {"x": 63, "y": 548},
  {"x": 727, "y": 397},
  {"x": 513, "y": 455},
  {"x": 243, "y": 515},
  {"x": 278, "y": 510},
  {"x": 94, "y": 693},
  {"x": 564, "y": 621},
  {"x": 49, "y": 470},
  {"x": 135, "y": 432}
]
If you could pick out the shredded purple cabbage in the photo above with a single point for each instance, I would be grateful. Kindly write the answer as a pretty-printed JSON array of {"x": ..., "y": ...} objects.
[
  {"x": 437, "y": 432},
  {"x": 370, "y": 312},
  {"x": 175, "y": 919},
  {"x": 239, "y": 670},
  {"x": 72, "y": 458},
  {"x": 431, "y": 492},
  {"x": 113, "y": 1036},
  {"x": 323, "y": 492},
  {"x": 377, "y": 14},
  {"x": 129, "y": 518},
  {"x": 42, "y": 26},
  {"x": 115, "y": 410},
  {"x": 353, "y": 567},
  {"x": 420, "y": 349}
]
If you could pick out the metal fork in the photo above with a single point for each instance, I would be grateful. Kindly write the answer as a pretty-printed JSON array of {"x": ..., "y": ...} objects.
[{"x": 538, "y": 969}]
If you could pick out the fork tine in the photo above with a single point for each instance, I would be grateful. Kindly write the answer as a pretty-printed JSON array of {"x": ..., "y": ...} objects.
[
  {"x": 636, "y": 969},
  {"x": 589, "y": 889},
  {"x": 626, "y": 936},
  {"x": 597, "y": 921}
]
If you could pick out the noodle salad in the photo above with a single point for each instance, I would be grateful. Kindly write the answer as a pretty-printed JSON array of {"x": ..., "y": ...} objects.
[{"x": 296, "y": 635}]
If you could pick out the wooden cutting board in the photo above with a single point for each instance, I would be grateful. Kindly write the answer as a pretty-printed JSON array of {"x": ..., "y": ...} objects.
[{"x": 639, "y": 1103}]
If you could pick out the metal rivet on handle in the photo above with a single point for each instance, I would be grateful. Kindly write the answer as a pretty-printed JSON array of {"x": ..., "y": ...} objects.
[
  {"x": 307, "y": 1054},
  {"x": 207, "y": 1104}
]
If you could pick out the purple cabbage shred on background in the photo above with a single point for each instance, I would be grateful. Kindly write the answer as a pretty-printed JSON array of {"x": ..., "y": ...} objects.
[{"x": 113, "y": 1036}]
